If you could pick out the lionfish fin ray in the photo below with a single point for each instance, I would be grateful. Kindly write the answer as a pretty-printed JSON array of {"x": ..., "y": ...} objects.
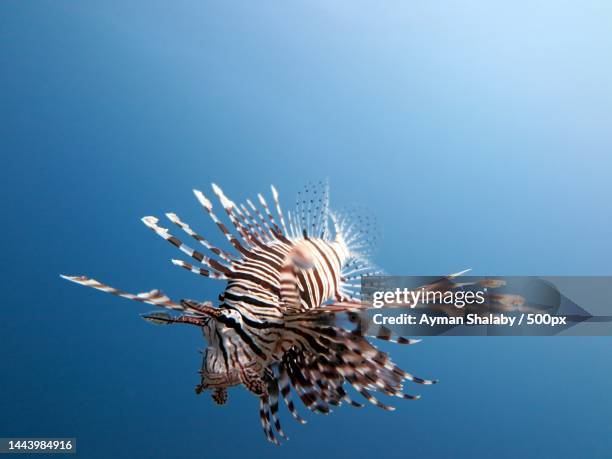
[
  {"x": 154, "y": 297},
  {"x": 215, "y": 266},
  {"x": 208, "y": 207},
  {"x": 312, "y": 213},
  {"x": 234, "y": 214},
  {"x": 225, "y": 256}
]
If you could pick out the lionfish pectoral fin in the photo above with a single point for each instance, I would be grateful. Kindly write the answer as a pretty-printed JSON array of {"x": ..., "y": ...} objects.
[
  {"x": 445, "y": 283},
  {"x": 495, "y": 302},
  {"x": 355, "y": 313},
  {"x": 273, "y": 392},
  {"x": 264, "y": 415}
]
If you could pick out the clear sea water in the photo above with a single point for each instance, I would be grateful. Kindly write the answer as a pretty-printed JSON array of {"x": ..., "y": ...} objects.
[{"x": 478, "y": 132}]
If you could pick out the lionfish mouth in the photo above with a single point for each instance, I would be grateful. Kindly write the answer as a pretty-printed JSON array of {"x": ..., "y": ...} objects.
[
  {"x": 287, "y": 278},
  {"x": 218, "y": 380}
]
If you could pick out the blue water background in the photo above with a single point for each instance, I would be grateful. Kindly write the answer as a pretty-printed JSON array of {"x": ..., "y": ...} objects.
[{"x": 478, "y": 132}]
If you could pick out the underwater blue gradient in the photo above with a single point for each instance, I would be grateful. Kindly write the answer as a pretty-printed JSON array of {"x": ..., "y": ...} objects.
[{"x": 478, "y": 132}]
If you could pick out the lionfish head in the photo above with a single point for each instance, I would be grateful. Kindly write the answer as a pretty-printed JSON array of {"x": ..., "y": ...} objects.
[
  {"x": 220, "y": 366},
  {"x": 216, "y": 373}
]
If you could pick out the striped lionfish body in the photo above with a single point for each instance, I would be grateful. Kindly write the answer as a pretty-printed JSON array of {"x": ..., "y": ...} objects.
[{"x": 276, "y": 329}]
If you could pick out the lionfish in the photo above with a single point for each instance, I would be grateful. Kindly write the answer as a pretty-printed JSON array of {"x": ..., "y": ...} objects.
[{"x": 288, "y": 320}]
